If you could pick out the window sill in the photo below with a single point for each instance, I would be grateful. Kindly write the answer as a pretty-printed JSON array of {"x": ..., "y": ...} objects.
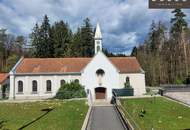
[
  {"x": 34, "y": 92},
  {"x": 48, "y": 92},
  {"x": 20, "y": 93}
]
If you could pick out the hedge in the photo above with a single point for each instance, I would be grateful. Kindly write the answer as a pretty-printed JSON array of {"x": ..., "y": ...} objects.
[{"x": 71, "y": 90}]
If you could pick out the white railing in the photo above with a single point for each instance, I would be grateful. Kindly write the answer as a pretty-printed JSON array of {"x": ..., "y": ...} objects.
[{"x": 90, "y": 98}]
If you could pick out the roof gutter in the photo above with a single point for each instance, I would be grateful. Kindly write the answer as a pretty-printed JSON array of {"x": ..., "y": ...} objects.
[{"x": 53, "y": 73}]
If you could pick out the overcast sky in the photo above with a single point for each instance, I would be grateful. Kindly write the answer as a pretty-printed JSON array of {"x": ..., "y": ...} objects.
[{"x": 124, "y": 23}]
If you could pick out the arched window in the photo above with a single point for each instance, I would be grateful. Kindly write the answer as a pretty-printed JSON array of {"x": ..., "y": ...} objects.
[
  {"x": 48, "y": 85},
  {"x": 20, "y": 86},
  {"x": 100, "y": 72},
  {"x": 34, "y": 86},
  {"x": 62, "y": 82},
  {"x": 76, "y": 81}
]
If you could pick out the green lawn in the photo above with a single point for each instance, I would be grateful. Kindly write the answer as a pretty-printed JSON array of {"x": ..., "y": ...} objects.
[
  {"x": 66, "y": 115},
  {"x": 160, "y": 113}
]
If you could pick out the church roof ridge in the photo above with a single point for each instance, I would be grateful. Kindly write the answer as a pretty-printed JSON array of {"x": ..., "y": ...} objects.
[
  {"x": 55, "y": 65},
  {"x": 58, "y": 58}
]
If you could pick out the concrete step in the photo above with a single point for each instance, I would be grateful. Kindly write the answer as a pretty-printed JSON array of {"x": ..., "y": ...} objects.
[{"x": 102, "y": 102}]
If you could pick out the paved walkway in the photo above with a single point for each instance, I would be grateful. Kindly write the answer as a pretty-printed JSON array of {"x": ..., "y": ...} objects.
[
  {"x": 104, "y": 118},
  {"x": 180, "y": 96}
]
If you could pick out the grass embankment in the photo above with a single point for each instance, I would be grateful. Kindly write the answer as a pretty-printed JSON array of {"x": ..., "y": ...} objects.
[
  {"x": 158, "y": 113},
  {"x": 65, "y": 115}
]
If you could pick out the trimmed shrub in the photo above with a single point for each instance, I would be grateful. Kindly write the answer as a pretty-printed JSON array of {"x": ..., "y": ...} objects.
[{"x": 71, "y": 90}]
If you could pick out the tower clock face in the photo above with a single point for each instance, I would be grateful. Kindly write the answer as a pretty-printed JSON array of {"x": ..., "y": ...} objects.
[{"x": 98, "y": 42}]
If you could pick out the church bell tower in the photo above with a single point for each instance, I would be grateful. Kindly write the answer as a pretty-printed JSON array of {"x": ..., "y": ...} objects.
[{"x": 98, "y": 39}]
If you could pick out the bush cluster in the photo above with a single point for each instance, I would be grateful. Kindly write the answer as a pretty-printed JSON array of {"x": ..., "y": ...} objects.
[{"x": 71, "y": 90}]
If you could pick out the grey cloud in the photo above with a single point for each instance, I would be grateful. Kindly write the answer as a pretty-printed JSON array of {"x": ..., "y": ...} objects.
[{"x": 124, "y": 23}]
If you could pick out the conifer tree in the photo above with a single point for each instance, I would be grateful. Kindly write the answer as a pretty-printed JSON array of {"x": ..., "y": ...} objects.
[
  {"x": 46, "y": 39},
  {"x": 41, "y": 40},
  {"x": 179, "y": 23},
  {"x": 87, "y": 38},
  {"x": 2, "y": 47},
  {"x": 177, "y": 32},
  {"x": 61, "y": 36}
]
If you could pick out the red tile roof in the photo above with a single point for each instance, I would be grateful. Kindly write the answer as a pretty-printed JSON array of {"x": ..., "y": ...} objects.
[
  {"x": 69, "y": 65},
  {"x": 51, "y": 65},
  {"x": 126, "y": 64},
  {"x": 3, "y": 77}
]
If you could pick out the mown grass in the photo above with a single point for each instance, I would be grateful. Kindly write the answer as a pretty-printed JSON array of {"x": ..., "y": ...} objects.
[
  {"x": 66, "y": 115},
  {"x": 160, "y": 113}
]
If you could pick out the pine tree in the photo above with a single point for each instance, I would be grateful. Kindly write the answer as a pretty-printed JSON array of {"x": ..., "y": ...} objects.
[
  {"x": 2, "y": 48},
  {"x": 35, "y": 41},
  {"x": 134, "y": 51},
  {"x": 107, "y": 53},
  {"x": 76, "y": 45},
  {"x": 41, "y": 40},
  {"x": 87, "y": 38},
  {"x": 178, "y": 30},
  {"x": 46, "y": 40},
  {"x": 178, "y": 23},
  {"x": 61, "y": 36}
]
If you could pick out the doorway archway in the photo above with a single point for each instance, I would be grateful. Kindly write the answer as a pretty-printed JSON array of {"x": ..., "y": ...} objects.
[{"x": 100, "y": 93}]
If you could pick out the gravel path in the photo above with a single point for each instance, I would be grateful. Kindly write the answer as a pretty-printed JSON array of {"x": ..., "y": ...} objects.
[{"x": 104, "y": 118}]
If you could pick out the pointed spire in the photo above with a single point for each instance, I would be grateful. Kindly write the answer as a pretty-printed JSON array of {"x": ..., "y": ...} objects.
[{"x": 98, "y": 34}]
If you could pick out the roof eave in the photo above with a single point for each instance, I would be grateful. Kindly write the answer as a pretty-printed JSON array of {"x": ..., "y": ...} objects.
[
  {"x": 132, "y": 72},
  {"x": 13, "y": 70},
  {"x": 51, "y": 73}
]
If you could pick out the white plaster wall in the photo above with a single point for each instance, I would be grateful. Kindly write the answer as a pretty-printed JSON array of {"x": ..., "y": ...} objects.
[
  {"x": 12, "y": 84},
  {"x": 110, "y": 79},
  {"x": 137, "y": 81},
  {"x": 41, "y": 81}
]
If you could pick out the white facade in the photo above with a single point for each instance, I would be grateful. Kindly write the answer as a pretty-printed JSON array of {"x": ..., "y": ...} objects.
[
  {"x": 112, "y": 79},
  {"x": 137, "y": 81},
  {"x": 100, "y": 73},
  {"x": 42, "y": 92}
]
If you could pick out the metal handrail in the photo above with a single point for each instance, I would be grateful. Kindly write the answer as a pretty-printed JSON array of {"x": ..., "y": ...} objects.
[
  {"x": 130, "y": 120},
  {"x": 174, "y": 85},
  {"x": 175, "y": 88}
]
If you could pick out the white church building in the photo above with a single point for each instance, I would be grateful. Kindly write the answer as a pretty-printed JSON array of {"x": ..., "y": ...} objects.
[{"x": 40, "y": 78}]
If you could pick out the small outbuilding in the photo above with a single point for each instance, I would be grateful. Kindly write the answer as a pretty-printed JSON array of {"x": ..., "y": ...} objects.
[{"x": 4, "y": 85}]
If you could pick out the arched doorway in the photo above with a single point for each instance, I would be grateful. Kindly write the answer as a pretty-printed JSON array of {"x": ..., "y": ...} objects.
[{"x": 100, "y": 93}]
